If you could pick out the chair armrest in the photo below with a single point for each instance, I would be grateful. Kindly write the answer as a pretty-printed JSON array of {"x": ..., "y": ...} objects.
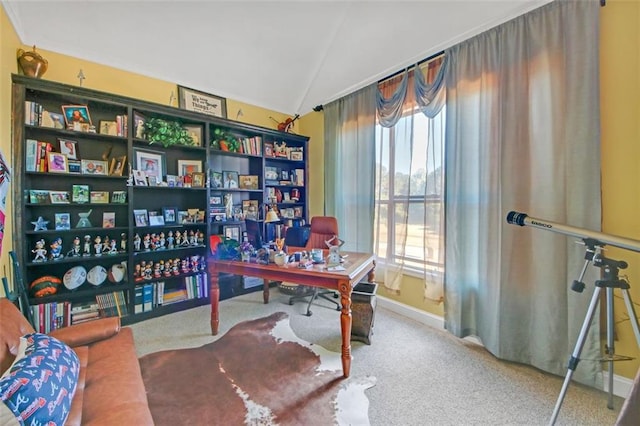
[{"x": 88, "y": 332}]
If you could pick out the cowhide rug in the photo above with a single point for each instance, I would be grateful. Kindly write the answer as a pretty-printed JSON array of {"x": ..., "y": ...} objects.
[{"x": 259, "y": 373}]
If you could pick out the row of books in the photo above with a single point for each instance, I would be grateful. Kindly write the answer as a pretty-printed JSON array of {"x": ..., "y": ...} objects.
[
  {"x": 54, "y": 315},
  {"x": 36, "y": 115},
  {"x": 151, "y": 295},
  {"x": 36, "y": 155},
  {"x": 252, "y": 145}
]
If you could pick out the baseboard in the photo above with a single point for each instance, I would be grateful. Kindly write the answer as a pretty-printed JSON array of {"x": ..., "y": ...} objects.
[{"x": 621, "y": 385}]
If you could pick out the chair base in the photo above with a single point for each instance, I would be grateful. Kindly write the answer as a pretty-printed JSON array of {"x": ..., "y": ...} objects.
[{"x": 314, "y": 294}]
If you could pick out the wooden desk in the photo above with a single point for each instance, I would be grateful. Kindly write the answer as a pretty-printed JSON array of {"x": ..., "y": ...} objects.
[{"x": 357, "y": 266}]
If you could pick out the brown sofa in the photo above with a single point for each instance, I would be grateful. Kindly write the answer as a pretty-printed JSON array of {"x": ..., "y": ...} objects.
[{"x": 110, "y": 389}]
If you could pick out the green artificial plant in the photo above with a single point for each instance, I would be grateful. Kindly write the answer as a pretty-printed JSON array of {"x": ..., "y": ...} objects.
[{"x": 166, "y": 133}]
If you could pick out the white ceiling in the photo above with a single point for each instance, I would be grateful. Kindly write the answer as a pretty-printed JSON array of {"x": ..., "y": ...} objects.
[{"x": 287, "y": 56}]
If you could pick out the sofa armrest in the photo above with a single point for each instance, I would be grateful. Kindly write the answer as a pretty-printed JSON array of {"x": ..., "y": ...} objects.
[{"x": 88, "y": 332}]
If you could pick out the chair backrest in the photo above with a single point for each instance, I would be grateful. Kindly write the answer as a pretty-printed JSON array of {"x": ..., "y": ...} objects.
[{"x": 323, "y": 228}]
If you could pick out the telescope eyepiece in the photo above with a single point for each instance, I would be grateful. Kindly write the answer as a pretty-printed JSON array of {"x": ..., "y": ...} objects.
[{"x": 516, "y": 218}]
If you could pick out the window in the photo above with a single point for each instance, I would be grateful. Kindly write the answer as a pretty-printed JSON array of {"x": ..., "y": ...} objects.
[{"x": 409, "y": 205}]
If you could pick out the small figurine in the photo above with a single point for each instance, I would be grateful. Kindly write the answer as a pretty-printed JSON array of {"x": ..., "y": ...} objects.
[
  {"x": 137, "y": 241},
  {"x": 161, "y": 242},
  {"x": 176, "y": 266},
  {"x": 86, "y": 250},
  {"x": 170, "y": 240},
  {"x": 146, "y": 242},
  {"x": 75, "y": 248},
  {"x": 178, "y": 238},
  {"x": 97, "y": 246},
  {"x": 39, "y": 251},
  {"x": 40, "y": 224},
  {"x": 123, "y": 242},
  {"x": 192, "y": 238},
  {"x": 56, "y": 249},
  {"x": 113, "y": 247}
]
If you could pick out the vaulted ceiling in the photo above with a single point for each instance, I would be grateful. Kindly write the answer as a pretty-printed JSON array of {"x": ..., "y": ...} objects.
[{"x": 287, "y": 56}]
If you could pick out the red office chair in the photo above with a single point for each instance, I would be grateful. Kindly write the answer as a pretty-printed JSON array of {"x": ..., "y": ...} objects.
[{"x": 323, "y": 228}]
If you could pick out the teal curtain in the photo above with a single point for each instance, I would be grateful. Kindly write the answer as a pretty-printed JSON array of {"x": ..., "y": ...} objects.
[{"x": 349, "y": 132}]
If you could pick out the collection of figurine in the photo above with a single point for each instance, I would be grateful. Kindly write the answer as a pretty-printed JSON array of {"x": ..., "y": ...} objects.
[
  {"x": 96, "y": 246},
  {"x": 170, "y": 240},
  {"x": 148, "y": 270}
]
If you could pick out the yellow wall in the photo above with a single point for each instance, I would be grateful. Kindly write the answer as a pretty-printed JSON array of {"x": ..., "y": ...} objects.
[{"x": 620, "y": 112}]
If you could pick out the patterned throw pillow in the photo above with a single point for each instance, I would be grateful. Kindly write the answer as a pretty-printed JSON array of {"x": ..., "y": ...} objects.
[{"x": 40, "y": 386}]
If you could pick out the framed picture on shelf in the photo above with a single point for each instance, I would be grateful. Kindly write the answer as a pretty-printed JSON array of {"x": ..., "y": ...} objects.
[
  {"x": 156, "y": 218},
  {"x": 119, "y": 197},
  {"x": 215, "y": 200},
  {"x": 57, "y": 120},
  {"x": 57, "y": 163},
  {"x": 76, "y": 114},
  {"x": 232, "y": 232},
  {"x": 109, "y": 219},
  {"x": 183, "y": 216},
  {"x": 271, "y": 173},
  {"x": 218, "y": 216},
  {"x": 195, "y": 131},
  {"x": 230, "y": 179},
  {"x": 152, "y": 163},
  {"x": 37, "y": 196},
  {"x": 170, "y": 215},
  {"x": 296, "y": 155},
  {"x": 139, "y": 178},
  {"x": 140, "y": 217},
  {"x": 68, "y": 148},
  {"x": 63, "y": 221},
  {"x": 59, "y": 197},
  {"x": 138, "y": 125},
  {"x": 268, "y": 149},
  {"x": 216, "y": 179},
  {"x": 205, "y": 103},
  {"x": 116, "y": 168},
  {"x": 75, "y": 166},
  {"x": 187, "y": 167},
  {"x": 99, "y": 197},
  {"x": 250, "y": 209},
  {"x": 94, "y": 167},
  {"x": 80, "y": 194},
  {"x": 197, "y": 180},
  {"x": 108, "y": 128},
  {"x": 152, "y": 181},
  {"x": 172, "y": 181},
  {"x": 248, "y": 181},
  {"x": 297, "y": 211}
]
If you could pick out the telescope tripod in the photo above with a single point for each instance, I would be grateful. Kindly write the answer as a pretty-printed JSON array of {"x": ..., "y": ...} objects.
[{"x": 610, "y": 281}]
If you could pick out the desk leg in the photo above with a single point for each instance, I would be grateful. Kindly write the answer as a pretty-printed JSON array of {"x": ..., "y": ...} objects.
[
  {"x": 345, "y": 325},
  {"x": 265, "y": 291},
  {"x": 214, "y": 293}
]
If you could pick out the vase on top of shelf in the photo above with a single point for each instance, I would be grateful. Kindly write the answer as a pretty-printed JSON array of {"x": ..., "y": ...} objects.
[{"x": 32, "y": 63}]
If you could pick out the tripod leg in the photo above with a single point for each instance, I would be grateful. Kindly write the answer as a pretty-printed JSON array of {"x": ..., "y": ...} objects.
[
  {"x": 633, "y": 318},
  {"x": 610, "y": 344},
  {"x": 575, "y": 356}
]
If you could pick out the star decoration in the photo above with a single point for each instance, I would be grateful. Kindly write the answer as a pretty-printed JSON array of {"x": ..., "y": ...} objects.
[{"x": 40, "y": 224}]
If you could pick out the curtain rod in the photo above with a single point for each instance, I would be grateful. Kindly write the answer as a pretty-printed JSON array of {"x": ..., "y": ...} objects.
[{"x": 390, "y": 76}]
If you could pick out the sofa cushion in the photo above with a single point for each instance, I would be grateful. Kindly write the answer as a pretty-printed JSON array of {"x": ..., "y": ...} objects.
[{"x": 40, "y": 386}]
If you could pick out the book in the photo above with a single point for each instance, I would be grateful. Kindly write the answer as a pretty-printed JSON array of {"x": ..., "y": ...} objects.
[
  {"x": 147, "y": 298},
  {"x": 137, "y": 300}
]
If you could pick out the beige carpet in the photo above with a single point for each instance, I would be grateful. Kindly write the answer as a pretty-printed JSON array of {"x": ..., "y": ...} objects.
[{"x": 424, "y": 376}]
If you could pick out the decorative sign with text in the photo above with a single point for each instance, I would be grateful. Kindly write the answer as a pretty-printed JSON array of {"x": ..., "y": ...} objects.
[{"x": 204, "y": 103}]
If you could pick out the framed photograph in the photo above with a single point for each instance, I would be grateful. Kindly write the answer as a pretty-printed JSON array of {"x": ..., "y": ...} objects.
[
  {"x": 187, "y": 167},
  {"x": 80, "y": 194},
  {"x": 152, "y": 163},
  {"x": 94, "y": 167},
  {"x": 99, "y": 197},
  {"x": 119, "y": 197},
  {"x": 248, "y": 181},
  {"x": 218, "y": 216},
  {"x": 197, "y": 180},
  {"x": 195, "y": 131},
  {"x": 59, "y": 197},
  {"x": 297, "y": 211},
  {"x": 75, "y": 166},
  {"x": 108, "y": 128},
  {"x": 250, "y": 209},
  {"x": 109, "y": 219},
  {"x": 170, "y": 214},
  {"x": 296, "y": 155},
  {"x": 68, "y": 148},
  {"x": 140, "y": 217},
  {"x": 37, "y": 196},
  {"x": 156, "y": 218},
  {"x": 139, "y": 178},
  {"x": 284, "y": 175},
  {"x": 57, "y": 120},
  {"x": 232, "y": 232},
  {"x": 116, "y": 168},
  {"x": 216, "y": 179},
  {"x": 152, "y": 181},
  {"x": 183, "y": 216},
  {"x": 230, "y": 179},
  {"x": 215, "y": 200},
  {"x": 271, "y": 173},
  {"x": 76, "y": 114},
  {"x": 138, "y": 125},
  {"x": 268, "y": 149},
  {"x": 205, "y": 103},
  {"x": 63, "y": 221},
  {"x": 172, "y": 181},
  {"x": 57, "y": 163}
]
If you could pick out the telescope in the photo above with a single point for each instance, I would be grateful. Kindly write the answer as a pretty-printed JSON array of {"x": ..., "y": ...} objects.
[{"x": 522, "y": 219}]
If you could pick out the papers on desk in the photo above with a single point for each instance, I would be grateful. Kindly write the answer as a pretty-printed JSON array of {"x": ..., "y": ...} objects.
[{"x": 336, "y": 268}]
